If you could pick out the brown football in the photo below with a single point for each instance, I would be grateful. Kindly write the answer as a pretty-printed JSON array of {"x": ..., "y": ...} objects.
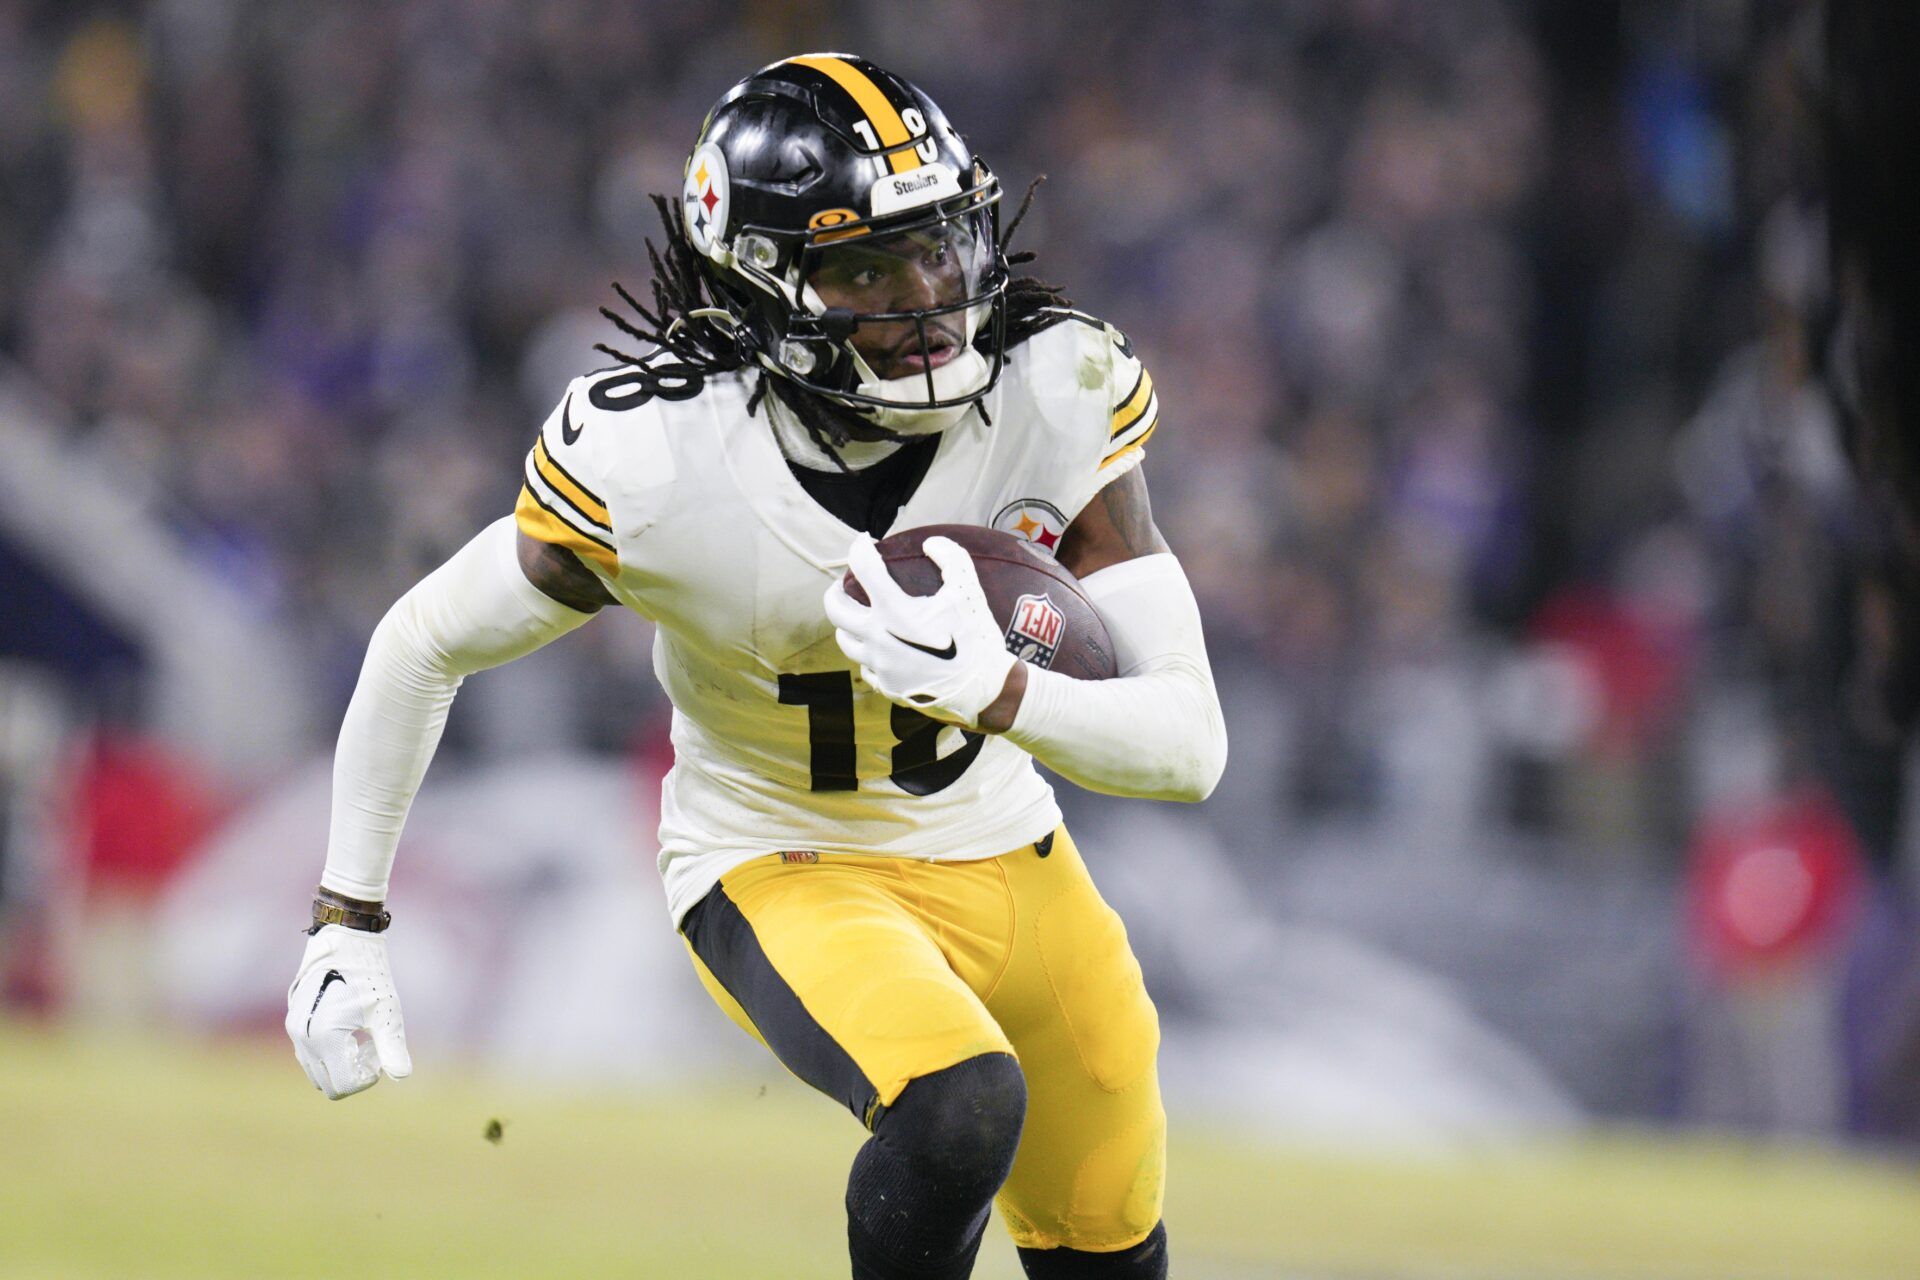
[{"x": 1047, "y": 619}]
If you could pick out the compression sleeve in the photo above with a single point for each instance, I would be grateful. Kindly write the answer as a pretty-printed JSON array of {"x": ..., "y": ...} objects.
[
  {"x": 475, "y": 611},
  {"x": 1091, "y": 731}
]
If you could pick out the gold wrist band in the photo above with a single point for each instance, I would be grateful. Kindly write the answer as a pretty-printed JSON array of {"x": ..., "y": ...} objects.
[{"x": 336, "y": 908}]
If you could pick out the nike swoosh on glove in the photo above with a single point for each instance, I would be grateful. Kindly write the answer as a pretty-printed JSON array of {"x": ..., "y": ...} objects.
[
  {"x": 941, "y": 654},
  {"x": 343, "y": 1014}
]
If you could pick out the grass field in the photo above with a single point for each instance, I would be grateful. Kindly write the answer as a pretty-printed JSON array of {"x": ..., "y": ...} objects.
[{"x": 157, "y": 1158}]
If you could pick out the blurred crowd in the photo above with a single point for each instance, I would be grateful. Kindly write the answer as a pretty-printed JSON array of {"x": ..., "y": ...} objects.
[{"x": 1488, "y": 335}]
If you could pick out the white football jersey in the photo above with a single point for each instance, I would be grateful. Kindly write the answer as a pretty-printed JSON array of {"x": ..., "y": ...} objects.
[{"x": 683, "y": 502}]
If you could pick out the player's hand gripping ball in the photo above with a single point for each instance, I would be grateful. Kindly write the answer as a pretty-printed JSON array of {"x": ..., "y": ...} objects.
[{"x": 950, "y": 603}]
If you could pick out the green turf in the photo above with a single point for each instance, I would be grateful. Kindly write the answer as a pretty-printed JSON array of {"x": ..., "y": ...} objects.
[{"x": 155, "y": 1158}]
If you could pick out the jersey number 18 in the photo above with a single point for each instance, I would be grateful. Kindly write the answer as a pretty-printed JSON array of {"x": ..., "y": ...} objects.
[{"x": 917, "y": 768}]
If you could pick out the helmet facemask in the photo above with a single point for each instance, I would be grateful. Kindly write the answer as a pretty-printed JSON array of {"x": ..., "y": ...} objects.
[{"x": 886, "y": 316}]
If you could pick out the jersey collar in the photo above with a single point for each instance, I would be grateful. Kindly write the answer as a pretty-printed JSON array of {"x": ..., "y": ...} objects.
[
  {"x": 759, "y": 468},
  {"x": 797, "y": 446}
]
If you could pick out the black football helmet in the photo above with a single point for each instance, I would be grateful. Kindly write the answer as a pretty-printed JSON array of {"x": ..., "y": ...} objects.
[{"x": 826, "y": 196}]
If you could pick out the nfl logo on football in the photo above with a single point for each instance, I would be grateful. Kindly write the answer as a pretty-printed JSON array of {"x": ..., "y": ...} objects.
[{"x": 1034, "y": 634}]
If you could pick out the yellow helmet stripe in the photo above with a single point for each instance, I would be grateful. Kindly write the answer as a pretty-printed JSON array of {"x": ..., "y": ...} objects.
[{"x": 881, "y": 114}]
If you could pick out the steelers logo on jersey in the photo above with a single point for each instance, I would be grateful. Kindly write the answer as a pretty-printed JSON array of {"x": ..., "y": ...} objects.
[
  {"x": 703, "y": 198},
  {"x": 1040, "y": 523}
]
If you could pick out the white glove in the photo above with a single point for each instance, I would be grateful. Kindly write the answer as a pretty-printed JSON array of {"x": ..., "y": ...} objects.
[
  {"x": 343, "y": 1015},
  {"x": 942, "y": 654}
]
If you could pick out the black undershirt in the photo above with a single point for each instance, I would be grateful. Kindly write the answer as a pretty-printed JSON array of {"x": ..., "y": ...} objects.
[{"x": 871, "y": 497}]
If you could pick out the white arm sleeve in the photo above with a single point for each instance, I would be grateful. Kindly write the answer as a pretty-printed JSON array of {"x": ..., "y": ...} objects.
[
  {"x": 475, "y": 611},
  {"x": 1090, "y": 731}
]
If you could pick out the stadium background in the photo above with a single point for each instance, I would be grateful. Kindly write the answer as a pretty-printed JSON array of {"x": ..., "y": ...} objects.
[{"x": 1556, "y": 915}]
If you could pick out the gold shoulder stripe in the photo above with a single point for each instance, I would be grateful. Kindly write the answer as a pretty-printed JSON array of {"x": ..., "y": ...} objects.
[
  {"x": 578, "y": 496},
  {"x": 1134, "y": 407},
  {"x": 558, "y": 503},
  {"x": 540, "y": 522},
  {"x": 1141, "y": 424},
  {"x": 881, "y": 114},
  {"x": 1123, "y": 451}
]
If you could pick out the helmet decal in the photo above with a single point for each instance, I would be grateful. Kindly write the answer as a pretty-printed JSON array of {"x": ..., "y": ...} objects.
[
  {"x": 880, "y": 123},
  {"x": 822, "y": 225},
  {"x": 926, "y": 185},
  {"x": 703, "y": 198}
]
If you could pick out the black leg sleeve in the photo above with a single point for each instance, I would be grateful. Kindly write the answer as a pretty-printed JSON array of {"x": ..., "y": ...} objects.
[{"x": 1145, "y": 1261}]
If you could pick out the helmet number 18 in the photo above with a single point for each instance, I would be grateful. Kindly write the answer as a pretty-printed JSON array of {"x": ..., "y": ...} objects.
[{"x": 927, "y": 150}]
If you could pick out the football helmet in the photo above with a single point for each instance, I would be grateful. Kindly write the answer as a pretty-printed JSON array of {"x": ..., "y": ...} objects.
[{"x": 827, "y": 199}]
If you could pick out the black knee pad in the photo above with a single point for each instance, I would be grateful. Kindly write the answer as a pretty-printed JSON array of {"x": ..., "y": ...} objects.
[
  {"x": 961, "y": 1126},
  {"x": 918, "y": 1195},
  {"x": 1145, "y": 1261}
]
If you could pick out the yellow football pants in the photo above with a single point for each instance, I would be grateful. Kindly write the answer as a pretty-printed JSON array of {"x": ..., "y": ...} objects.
[{"x": 862, "y": 974}]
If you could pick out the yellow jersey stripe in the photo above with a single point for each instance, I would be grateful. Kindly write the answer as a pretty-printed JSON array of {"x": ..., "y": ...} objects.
[
  {"x": 1123, "y": 451},
  {"x": 881, "y": 114},
  {"x": 572, "y": 490},
  {"x": 540, "y": 522},
  {"x": 559, "y": 503},
  {"x": 1133, "y": 406},
  {"x": 1146, "y": 415},
  {"x": 1142, "y": 423}
]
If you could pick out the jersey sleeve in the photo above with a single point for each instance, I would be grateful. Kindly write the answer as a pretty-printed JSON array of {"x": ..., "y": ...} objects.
[
  {"x": 1115, "y": 413},
  {"x": 560, "y": 495},
  {"x": 1135, "y": 414}
]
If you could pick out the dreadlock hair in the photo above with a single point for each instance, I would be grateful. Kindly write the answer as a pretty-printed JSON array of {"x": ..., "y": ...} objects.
[
  {"x": 688, "y": 321},
  {"x": 1031, "y": 304}
]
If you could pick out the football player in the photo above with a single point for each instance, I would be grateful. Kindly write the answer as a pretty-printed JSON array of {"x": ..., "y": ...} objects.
[{"x": 869, "y": 873}]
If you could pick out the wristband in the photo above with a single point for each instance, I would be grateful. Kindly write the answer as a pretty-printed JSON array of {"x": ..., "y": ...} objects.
[{"x": 354, "y": 913}]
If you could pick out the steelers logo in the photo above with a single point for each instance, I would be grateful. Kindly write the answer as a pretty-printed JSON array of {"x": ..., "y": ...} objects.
[
  {"x": 1040, "y": 523},
  {"x": 703, "y": 198}
]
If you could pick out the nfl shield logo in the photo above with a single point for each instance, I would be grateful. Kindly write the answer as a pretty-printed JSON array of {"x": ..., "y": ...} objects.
[{"x": 1034, "y": 634}]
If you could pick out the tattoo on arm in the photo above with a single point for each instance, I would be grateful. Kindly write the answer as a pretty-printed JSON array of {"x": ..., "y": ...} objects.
[
  {"x": 560, "y": 575},
  {"x": 1117, "y": 525},
  {"x": 1126, "y": 505}
]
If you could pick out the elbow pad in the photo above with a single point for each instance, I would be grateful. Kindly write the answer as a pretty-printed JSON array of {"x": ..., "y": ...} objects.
[
  {"x": 475, "y": 611},
  {"x": 1090, "y": 731}
]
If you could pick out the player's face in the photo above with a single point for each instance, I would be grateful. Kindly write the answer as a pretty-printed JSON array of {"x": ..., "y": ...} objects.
[{"x": 937, "y": 266}]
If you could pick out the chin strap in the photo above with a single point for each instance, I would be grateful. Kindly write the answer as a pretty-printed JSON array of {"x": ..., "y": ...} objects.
[
  {"x": 963, "y": 379},
  {"x": 968, "y": 369},
  {"x": 832, "y": 425}
]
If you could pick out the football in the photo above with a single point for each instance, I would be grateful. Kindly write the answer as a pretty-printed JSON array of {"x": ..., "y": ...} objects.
[{"x": 1047, "y": 619}]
